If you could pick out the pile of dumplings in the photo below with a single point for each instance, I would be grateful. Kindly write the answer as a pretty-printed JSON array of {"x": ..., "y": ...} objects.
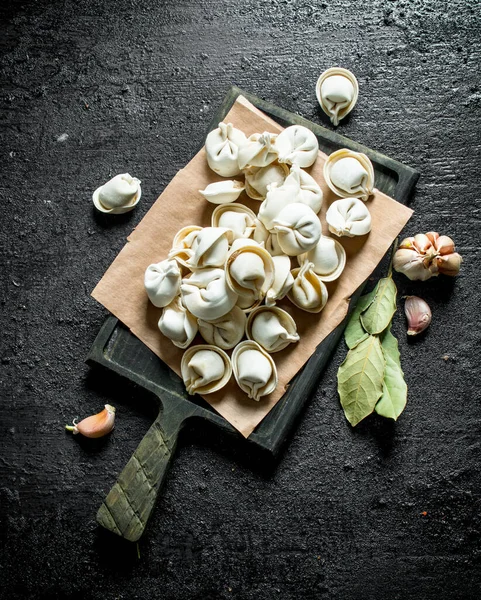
[{"x": 223, "y": 281}]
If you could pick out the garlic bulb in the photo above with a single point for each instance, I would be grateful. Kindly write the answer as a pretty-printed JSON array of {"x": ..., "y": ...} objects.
[
  {"x": 426, "y": 255},
  {"x": 272, "y": 328},
  {"x": 205, "y": 369},
  {"x": 259, "y": 178},
  {"x": 297, "y": 145},
  {"x": 249, "y": 269},
  {"x": 269, "y": 238},
  {"x": 298, "y": 229},
  {"x": 308, "y": 190},
  {"x": 222, "y": 192},
  {"x": 254, "y": 370},
  {"x": 349, "y": 217},
  {"x": 222, "y": 147},
  {"x": 226, "y": 331},
  {"x": 95, "y": 426},
  {"x": 119, "y": 195},
  {"x": 283, "y": 280},
  {"x": 237, "y": 217},
  {"x": 206, "y": 295},
  {"x": 349, "y": 174},
  {"x": 258, "y": 151},
  {"x": 308, "y": 291},
  {"x": 162, "y": 282},
  {"x": 418, "y": 314},
  {"x": 211, "y": 249},
  {"x": 178, "y": 324},
  {"x": 184, "y": 244},
  {"x": 328, "y": 258},
  {"x": 337, "y": 91},
  {"x": 277, "y": 198}
]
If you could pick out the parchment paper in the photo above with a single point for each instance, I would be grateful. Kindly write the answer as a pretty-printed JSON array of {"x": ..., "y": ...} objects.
[{"x": 121, "y": 289}]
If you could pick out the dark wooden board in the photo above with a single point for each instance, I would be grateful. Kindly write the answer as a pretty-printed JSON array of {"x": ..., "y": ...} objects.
[{"x": 129, "y": 504}]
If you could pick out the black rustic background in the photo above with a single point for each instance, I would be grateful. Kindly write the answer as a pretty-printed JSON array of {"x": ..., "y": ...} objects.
[{"x": 91, "y": 89}]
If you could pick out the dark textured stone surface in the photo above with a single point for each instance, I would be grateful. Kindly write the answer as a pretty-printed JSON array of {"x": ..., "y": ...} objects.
[{"x": 385, "y": 510}]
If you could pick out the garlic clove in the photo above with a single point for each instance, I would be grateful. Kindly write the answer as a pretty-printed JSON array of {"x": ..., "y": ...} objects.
[
  {"x": 444, "y": 245},
  {"x": 95, "y": 426},
  {"x": 222, "y": 192},
  {"x": 418, "y": 314},
  {"x": 449, "y": 264},
  {"x": 411, "y": 263},
  {"x": 432, "y": 236},
  {"x": 422, "y": 243}
]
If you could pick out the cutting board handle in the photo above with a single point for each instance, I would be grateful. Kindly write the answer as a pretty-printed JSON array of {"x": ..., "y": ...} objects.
[{"x": 127, "y": 507}]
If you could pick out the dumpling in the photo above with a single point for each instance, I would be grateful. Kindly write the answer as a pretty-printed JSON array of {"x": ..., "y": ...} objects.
[
  {"x": 283, "y": 280},
  {"x": 298, "y": 229},
  {"x": 249, "y": 269},
  {"x": 206, "y": 295},
  {"x": 223, "y": 192},
  {"x": 211, "y": 248},
  {"x": 258, "y": 151},
  {"x": 277, "y": 198},
  {"x": 226, "y": 331},
  {"x": 162, "y": 282},
  {"x": 308, "y": 190},
  {"x": 254, "y": 370},
  {"x": 349, "y": 217},
  {"x": 328, "y": 258},
  {"x": 268, "y": 238},
  {"x": 119, "y": 195},
  {"x": 237, "y": 217},
  {"x": 178, "y": 324},
  {"x": 349, "y": 174},
  {"x": 184, "y": 244},
  {"x": 272, "y": 328},
  {"x": 308, "y": 292},
  {"x": 222, "y": 147},
  {"x": 337, "y": 90},
  {"x": 297, "y": 145},
  {"x": 259, "y": 178},
  {"x": 205, "y": 369}
]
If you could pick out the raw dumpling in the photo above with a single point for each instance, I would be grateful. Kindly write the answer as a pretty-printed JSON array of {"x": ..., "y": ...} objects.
[
  {"x": 298, "y": 229},
  {"x": 328, "y": 258},
  {"x": 349, "y": 217},
  {"x": 272, "y": 328},
  {"x": 337, "y": 90},
  {"x": 254, "y": 370},
  {"x": 268, "y": 238},
  {"x": 308, "y": 292},
  {"x": 237, "y": 217},
  {"x": 308, "y": 190},
  {"x": 349, "y": 174},
  {"x": 185, "y": 244},
  {"x": 119, "y": 195},
  {"x": 226, "y": 331},
  {"x": 205, "y": 369},
  {"x": 222, "y": 147},
  {"x": 211, "y": 249},
  {"x": 222, "y": 192},
  {"x": 259, "y": 150},
  {"x": 297, "y": 145},
  {"x": 259, "y": 178},
  {"x": 277, "y": 198},
  {"x": 177, "y": 324},
  {"x": 249, "y": 269},
  {"x": 206, "y": 295},
  {"x": 283, "y": 280},
  {"x": 162, "y": 282}
]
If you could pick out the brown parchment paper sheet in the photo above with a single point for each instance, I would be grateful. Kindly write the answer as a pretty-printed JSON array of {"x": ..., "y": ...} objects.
[{"x": 121, "y": 290}]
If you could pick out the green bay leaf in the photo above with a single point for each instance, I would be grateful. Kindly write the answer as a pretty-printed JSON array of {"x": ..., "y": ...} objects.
[
  {"x": 354, "y": 332},
  {"x": 378, "y": 315},
  {"x": 394, "y": 394},
  {"x": 360, "y": 379}
]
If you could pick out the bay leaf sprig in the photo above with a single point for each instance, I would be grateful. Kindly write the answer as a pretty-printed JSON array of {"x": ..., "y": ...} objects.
[{"x": 370, "y": 378}]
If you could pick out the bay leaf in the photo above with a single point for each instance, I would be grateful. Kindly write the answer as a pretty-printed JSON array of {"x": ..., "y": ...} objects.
[
  {"x": 378, "y": 315},
  {"x": 360, "y": 379},
  {"x": 394, "y": 394},
  {"x": 354, "y": 332}
]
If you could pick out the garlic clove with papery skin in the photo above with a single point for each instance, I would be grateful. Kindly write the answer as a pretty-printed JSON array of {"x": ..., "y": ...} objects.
[
  {"x": 418, "y": 314},
  {"x": 95, "y": 426},
  {"x": 423, "y": 256}
]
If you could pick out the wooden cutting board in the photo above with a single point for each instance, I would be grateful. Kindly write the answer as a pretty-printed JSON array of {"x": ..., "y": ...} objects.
[{"x": 128, "y": 506}]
